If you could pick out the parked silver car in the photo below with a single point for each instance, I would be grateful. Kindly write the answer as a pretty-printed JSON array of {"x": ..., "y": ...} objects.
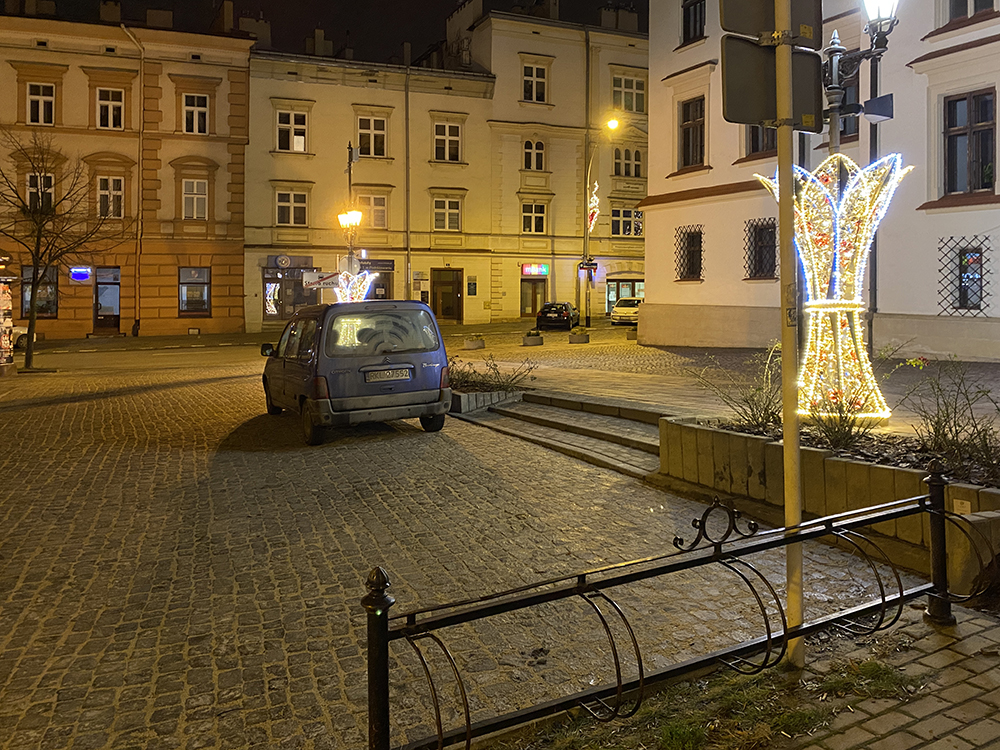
[
  {"x": 356, "y": 362},
  {"x": 626, "y": 310},
  {"x": 20, "y": 337}
]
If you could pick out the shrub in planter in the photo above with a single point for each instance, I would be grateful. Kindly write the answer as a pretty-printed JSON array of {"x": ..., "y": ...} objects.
[
  {"x": 532, "y": 338},
  {"x": 579, "y": 335},
  {"x": 474, "y": 341},
  {"x": 632, "y": 334}
]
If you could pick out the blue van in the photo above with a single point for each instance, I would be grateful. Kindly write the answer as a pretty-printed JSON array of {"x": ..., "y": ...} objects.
[{"x": 355, "y": 362}]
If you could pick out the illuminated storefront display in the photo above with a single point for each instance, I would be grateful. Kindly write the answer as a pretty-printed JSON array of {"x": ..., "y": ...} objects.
[
  {"x": 534, "y": 269},
  {"x": 834, "y": 225}
]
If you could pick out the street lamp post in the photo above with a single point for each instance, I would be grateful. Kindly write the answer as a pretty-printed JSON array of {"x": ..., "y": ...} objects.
[
  {"x": 591, "y": 148},
  {"x": 349, "y": 222}
]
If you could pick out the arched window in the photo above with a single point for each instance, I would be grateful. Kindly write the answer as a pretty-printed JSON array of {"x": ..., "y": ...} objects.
[
  {"x": 637, "y": 166},
  {"x": 628, "y": 163},
  {"x": 618, "y": 162},
  {"x": 534, "y": 155}
]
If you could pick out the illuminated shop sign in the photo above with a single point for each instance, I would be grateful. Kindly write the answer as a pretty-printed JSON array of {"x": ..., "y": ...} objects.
[
  {"x": 534, "y": 269},
  {"x": 81, "y": 274}
]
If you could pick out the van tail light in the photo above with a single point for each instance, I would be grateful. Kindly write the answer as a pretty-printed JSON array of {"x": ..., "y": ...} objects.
[
  {"x": 320, "y": 388},
  {"x": 565, "y": 314},
  {"x": 445, "y": 377}
]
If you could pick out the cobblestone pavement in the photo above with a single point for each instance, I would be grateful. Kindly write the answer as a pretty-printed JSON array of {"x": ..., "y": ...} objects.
[{"x": 178, "y": 570}]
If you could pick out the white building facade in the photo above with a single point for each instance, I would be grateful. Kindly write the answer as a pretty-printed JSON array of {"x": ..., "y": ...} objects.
[
  {"x": 711, "y": 260},
  {"x": 470, "y": 175}
]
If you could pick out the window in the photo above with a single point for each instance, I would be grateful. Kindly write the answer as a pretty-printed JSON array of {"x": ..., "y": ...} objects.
[
  {"x": 964, "y": 8},
  {"x": 292, "y": 131},
  {"x": 849, "y": 124},
  {"x": 447, "y": 214},
  {"x": 41, "y": 104},
  {"x": 196, "y": 200},
  {"x": 626, "y": 222},
  {"x": 688, "y": 246},
  {"x": 534, "y": 155},
  {"x": 373, "y": 211},
  {"x": 40, "y": 192},
  {"x": 196, "y": 113},
  {"x": 291, "y": 209},
  {"x": 970, "y": 279},
  {"x": 447, "y": 137},
  {"x": 110, "y": 197},
  {"x": 761, "y": 140},
  {"x": 371, "y": 136},
  {"x": 533, "y": 218},
  {"x": 534, "y": 83},
  {"x": 969, "y": 135},
  {"x": 194, "y": 288},
  {"x": 628, "y": 163},
  {"x": 761, "y": 249},
  {"x": 692, "y": 20},
  {"x": 693, "y": 132},
  {"x": 110, "y": 108},
  {"x": 628, "y": 94},
  {"x": 47, "y": 297},
  {"x": 965, "y": 275}
]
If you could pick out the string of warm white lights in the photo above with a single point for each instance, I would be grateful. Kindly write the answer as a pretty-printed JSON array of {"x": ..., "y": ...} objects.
[
  {"x": 838, "y": 207},
  {"x": 594, "y": 210},
  {"x": 351, "y": 288}
]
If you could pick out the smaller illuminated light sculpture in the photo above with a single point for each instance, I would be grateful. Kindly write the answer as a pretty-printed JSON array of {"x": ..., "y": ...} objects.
[
  {"x": 594, "y": 209},
  {"x": 838, "y": 207},
  {"x": 353, "y": 288}
]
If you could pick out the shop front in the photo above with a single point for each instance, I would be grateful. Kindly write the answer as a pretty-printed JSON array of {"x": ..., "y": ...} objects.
[
  {"x": 282, "y": 286},
  {"x": 618, "y": 288},
  {"x": 534, "y": 288}
]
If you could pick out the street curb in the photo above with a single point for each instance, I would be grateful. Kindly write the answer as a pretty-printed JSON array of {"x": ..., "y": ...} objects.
[{"x": 609, "y": 437}]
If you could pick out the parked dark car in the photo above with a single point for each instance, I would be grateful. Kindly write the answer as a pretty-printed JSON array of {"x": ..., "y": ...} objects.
[
  {"x": 357, "y": 362},
  {"x": 557, "y": 315}
]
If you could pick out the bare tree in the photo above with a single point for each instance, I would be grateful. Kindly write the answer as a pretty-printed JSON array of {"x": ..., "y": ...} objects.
[{"x": 48, "y": 209}]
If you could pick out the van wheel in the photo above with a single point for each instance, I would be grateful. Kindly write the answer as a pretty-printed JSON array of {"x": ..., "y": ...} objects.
[
  {"x": 311, "y": 432},
  {"x": 271, "y": 408},
  {"x": 432, "y": 423}
]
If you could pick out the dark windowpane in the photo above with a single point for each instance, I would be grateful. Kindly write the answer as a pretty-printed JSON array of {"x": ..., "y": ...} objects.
[
  {"x": 284, "y": 140},
  {"x": 379, "y": 144},
  {"x": 452, "y": 150},
  {"x": 439, "y": 150},
  {"x": 982, "y": 160},
  {"x": 958, "y": 8},
  {"x": 692, "y": 20},
  {"x": 982, "y": 107},
  {"x": 540, "y": 91},
  {"x": 957, "y": 156},
  {"x": 528, "y": 90},
  {"x": 958, "y": 113},
  {"x": 980, "y": 5}
]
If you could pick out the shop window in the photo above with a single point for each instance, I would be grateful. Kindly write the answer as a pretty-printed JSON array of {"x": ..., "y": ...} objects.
[
  {"x": 47, "y": 296},
  {"x": 760, "y": 247},
  {"x": 626, "y": 222},
  {"x": 195, "y": 292},
  {"x": 688, "y": 252}
]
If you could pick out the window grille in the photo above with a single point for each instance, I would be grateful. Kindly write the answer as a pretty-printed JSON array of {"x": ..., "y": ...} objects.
[
  {"x": 688, "y": 243},
  {"x": 760, "y": 245}
]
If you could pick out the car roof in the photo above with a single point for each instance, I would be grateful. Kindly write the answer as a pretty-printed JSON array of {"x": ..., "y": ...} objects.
[
  {"x": 622, "y": 299},
  {"x": 315, "y": 311}
]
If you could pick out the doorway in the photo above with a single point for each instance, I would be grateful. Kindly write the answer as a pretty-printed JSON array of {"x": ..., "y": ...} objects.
[
  {"x": 284, "y": 294},
  {"x": 446, "y": 294},
  {"x": 107, "y": 300},
  {"x": 532, "y": 296}
]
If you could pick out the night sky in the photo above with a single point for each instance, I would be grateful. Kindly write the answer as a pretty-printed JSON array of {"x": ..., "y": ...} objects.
[{"x": 377, "y": 28}]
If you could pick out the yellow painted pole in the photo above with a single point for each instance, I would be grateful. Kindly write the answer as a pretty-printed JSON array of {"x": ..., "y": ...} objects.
[{"x": 789, "y": 339}]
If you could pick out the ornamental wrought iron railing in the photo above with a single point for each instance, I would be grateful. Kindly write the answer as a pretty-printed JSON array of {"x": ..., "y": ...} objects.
[{"x": 722, "y": 538}]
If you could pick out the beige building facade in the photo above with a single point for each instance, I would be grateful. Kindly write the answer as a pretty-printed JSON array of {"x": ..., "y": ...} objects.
[
  {"x": 160, "y": 119},
  {"x": 470, "y": 172}
]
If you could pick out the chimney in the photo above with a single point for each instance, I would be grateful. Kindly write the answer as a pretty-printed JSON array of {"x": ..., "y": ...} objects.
[
  {"x": 318, "y": 45},
  {"x": 223, "y": 22},
  {"x": 111, "y": 11},
  {"x": 159, "y": 19},
  {"x": 609, "y": 16},
  {"x": 550, "y": 9},
  {"x": 259, "y": 29},
  {"x": 628, "y": 18},
  {"x": 407, "y": 54}
]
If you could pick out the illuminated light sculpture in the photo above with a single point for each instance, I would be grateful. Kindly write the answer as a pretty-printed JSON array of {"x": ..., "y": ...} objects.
[
  {"x": 594, "y": 210},
  {"x": 351, "y": 288},
  {"x": 838, "y": 207}
]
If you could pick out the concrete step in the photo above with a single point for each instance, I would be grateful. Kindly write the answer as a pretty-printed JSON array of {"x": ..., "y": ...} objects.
[
  {"x": 636, "y": 411},
  {"x": 609, "y": 455},
  {"x": 639, "y": 436}
]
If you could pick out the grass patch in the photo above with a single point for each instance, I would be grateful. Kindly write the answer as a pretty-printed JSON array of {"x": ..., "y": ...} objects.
[{"x": 869, "y": 679}]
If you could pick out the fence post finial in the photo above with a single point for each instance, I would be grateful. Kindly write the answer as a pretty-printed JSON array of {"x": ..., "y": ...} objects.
[
  {"x": 938, "y": 604},
  {"x": 377, "y": 603}
]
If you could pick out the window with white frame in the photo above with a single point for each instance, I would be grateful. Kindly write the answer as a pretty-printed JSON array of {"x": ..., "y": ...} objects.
[
  {"x": 533, "y": 218},
  {"x": 371, "y": 136},
  {"x": 534, "y": 83},
  {"x": 628, "y": 93},
  {"x": 628, "y": 162},
  {"x": 373, "y": 211},
  {"x": 41, "y": 104},
  {"x": 964, "y": 8},
  {"x": 110, "y": 197},
  {"x": 40, "y": 192},
  {"x": 292, "y": 131},
  {"x": 196, "y": 113},
  {"x": 195, "y": 199},
  {"x": 447, "y": 141},
  {"x": 447, "y": 214},
  {"x": 534, "y": 155},
  {"x": 110, "y": 109},
  {"x": 626, "y": 222},
  {"x": 291, "y": 208}
]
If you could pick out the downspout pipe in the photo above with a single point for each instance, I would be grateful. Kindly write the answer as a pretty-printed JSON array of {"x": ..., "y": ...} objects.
[
  {"x": 406, "y": 207},
  {"x": 139, "y": 211}
]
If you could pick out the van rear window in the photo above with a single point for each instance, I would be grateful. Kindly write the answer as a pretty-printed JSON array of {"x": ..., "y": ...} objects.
[{"x": 367, "y": 333}]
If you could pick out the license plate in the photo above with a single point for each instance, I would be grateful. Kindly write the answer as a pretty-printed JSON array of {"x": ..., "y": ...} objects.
[
  {"x": 553, "y": 315},
  {"x": 380, "y": 376}
]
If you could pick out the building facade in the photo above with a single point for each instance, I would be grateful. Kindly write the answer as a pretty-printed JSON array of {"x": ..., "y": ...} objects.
[
  {"x": 159, "y": 118},
  {"x": 711, "y": 252},
  {"x": 470, "y": 170}
]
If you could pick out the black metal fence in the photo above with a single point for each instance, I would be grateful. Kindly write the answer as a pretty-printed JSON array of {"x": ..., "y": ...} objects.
[{"x": 728, "y": 546}]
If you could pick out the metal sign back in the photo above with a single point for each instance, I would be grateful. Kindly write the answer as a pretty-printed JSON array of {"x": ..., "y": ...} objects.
[
  {"x": 756, "y": 18},
  {"x": 749, "y": 88}
]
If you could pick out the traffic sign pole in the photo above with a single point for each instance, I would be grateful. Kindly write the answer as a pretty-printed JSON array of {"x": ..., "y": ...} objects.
[{"x": 789, "y": 315}]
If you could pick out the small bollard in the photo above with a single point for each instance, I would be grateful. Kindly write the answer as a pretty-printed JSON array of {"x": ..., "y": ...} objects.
[
  {"x": 938, "y": 605},
  {"x": 377, "y": 603}
]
